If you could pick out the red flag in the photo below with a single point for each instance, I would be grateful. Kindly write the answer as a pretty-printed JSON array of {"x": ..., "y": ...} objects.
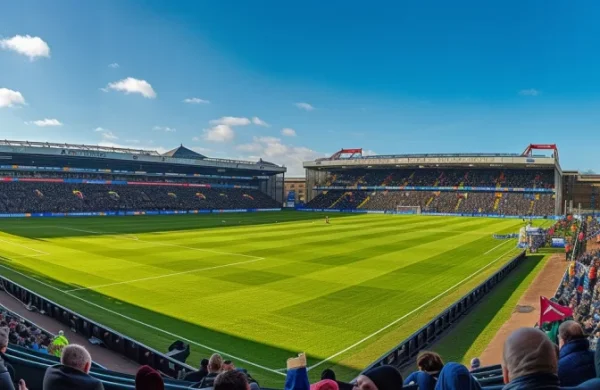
[{"x": 551, "y": 312}]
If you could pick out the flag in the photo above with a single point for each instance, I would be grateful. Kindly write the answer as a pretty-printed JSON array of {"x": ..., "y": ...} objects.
[{"x": 551, "y": 312}]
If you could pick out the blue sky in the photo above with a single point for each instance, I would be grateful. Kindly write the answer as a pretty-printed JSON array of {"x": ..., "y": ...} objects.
[{"x": 388, "y": 76}]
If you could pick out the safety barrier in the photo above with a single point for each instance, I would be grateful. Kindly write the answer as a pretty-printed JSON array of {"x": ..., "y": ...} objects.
[
  {"x": 124, "y": 213},
  {"x": 408, "y": 349},
  {"x": 112, "y": 339}
]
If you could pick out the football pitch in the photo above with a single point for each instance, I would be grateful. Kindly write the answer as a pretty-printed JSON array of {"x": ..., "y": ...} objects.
[{"x": 259, "y": 287}]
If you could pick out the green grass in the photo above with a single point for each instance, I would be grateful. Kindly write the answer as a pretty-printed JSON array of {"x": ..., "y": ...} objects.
[{"x": 260, "y": 287}]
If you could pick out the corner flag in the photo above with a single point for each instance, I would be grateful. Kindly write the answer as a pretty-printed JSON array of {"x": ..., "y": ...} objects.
[{"x": 551, "y": 312}]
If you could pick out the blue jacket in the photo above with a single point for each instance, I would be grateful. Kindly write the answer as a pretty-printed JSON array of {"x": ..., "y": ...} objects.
[
  {"x": 455, "y": 376},
  {"x": 424, "y": 380},
  {"x": 534, "y": 382},
  {"x": 576, "y": 363}
]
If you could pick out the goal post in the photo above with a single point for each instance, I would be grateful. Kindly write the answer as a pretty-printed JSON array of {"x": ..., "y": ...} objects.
[{"x": 408, "y": 209}]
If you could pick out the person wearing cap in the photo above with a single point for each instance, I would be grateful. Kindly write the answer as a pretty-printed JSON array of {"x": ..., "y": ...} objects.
[
  {"x": 475, "y": 363},
  {"x": 197, "y": 376},
  {"x": 380, "y": 378},
  {"x": 147, "y": 378}
]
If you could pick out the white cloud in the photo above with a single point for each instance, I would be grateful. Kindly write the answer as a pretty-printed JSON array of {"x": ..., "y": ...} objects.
[
  {"x": 165, "y": 129},
  {"x": 219, "y": 133},
  {"x": 272, "y": 149},
  {"x": 288, "y": 132},
  {"x": 200, "y": 149},
  {"x": 109, "y": 136},
  {"x": 259, "y": 122},
  {"x": 529, "y": 92},
  {"x": 196, "y": 100},
  {"x": 304, "y": 106},
  {"x": 99, "y": 129},
  {"x": 114, "y": 65},
  {"x": 195, "y": 139},
  {"x": 45, "y": 122},
  {"x": 231, "y": 121},
  {"x": 369, "y": 152},
  {"x": 131, "y": 85},
  {"x": 32, "y": 47},
  {"x": 9, "y": 98}
]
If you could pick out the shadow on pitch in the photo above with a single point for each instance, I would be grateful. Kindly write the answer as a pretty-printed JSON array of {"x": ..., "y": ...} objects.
[{"x": 202, "y": 339}]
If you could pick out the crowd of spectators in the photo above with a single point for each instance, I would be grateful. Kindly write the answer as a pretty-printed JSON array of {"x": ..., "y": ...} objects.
[
  {"x": 21, "y": 333},
  {"x": 122, "y": 177},
  {"x": 446, "y": 177},
  {"x": 438, "y": 201},
  {"x": 27, "y": 197}
]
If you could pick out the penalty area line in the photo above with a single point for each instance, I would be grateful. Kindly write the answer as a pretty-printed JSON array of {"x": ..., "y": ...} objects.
[
  {"x": 406, "y": 315},
  {"x": 163, "y": 276},
  {"x": 497, "y": 246},
  {"x": 176, "y": 336}
]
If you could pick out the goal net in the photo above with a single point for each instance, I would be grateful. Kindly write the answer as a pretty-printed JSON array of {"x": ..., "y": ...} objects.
[{"x": 408, "y": 209}]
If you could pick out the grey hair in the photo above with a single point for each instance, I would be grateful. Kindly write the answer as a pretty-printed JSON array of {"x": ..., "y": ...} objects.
[{"x": 76, "y": 356}]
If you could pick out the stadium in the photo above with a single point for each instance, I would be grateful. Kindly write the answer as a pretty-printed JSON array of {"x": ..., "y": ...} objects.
[{"x": 166, "y": 259}]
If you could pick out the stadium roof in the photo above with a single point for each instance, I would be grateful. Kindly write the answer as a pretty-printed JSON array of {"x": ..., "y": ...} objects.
[
  {"x": 80, "y": 147},
  {"x": 183, "y": 152}
]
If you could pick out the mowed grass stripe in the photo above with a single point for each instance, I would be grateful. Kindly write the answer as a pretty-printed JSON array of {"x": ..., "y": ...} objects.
[{"x": 308, "y": 295}]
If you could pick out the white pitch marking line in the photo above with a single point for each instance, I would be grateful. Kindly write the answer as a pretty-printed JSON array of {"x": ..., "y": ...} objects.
[
  {"x": 404, "y": 316},
  {"x": 146, "y": 325},
  {"x": 497, "y": 246},
  {"x": 124, "y": 236},
  {"x": 23, "y": 246},
  {"x": 163, "y": 276}
]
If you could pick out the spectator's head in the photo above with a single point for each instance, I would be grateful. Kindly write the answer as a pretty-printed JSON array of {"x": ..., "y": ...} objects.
[
  {"x": 326, "y": 384},
  {"x": 231, "y": 380},
  {"x": 429, "y": 361},
  {"x": 4, "y": 335},
  {"x": 76, "y": 356},
  {"x": 215, "y": 362},
  {"x": 328, "y": 374},
  {"x": 475, "y": 363},
  {"x": 227, "y": 366},
  {"x": 204, "y": 364},
  {"x": 569, "y": 331},
  {"x": 528, "y": 351},
  {"x": 147, "y": 378},
  {"x": 380, "y": 378},
  {"x": 455, "y": 376}
]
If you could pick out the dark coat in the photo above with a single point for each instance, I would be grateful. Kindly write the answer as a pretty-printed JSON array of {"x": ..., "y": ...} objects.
[
  {"x": 6, "y": 382},
  {"x": 424, "y": 380},
  {"x": 61, "y": 377},
  {"x": 576, "y": 363},
  {"x": 534, "y": 382},
  {"x": 196, "y": 376},
  {"x": 455, "y": 376}
]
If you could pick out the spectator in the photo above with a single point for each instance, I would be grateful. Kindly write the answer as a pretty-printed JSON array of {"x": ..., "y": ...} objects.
[
  {"x": 147, "y": 378},
  {"x": 455, "y": 376},
  {"x": 6, "y": 381},
  {"x": 73, "y": 372},
  {"x": 429, "y": 364},
  {"x": 529, "y": 361},
  {"x": 576, "y": 361},
  {"x": 475, "y": 363},
  {"x": 227, "y": 366},
  {"x": 380, "y": 378},
  {"x": 231, "y": 380},
  {"x": 325, "y": 384},
  {"x": 328, "y": 373},
  {"x": 197, "y": 376},
  {"x": 214, "y": 368}
]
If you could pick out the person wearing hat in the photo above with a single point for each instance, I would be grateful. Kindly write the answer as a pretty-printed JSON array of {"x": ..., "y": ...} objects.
[
  {"x": 147, "y": 378},
  {"x": 380, "y": 378}
]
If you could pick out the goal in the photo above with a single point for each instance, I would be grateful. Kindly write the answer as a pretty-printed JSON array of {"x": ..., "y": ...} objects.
[{"x": 408, "y": 209}]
